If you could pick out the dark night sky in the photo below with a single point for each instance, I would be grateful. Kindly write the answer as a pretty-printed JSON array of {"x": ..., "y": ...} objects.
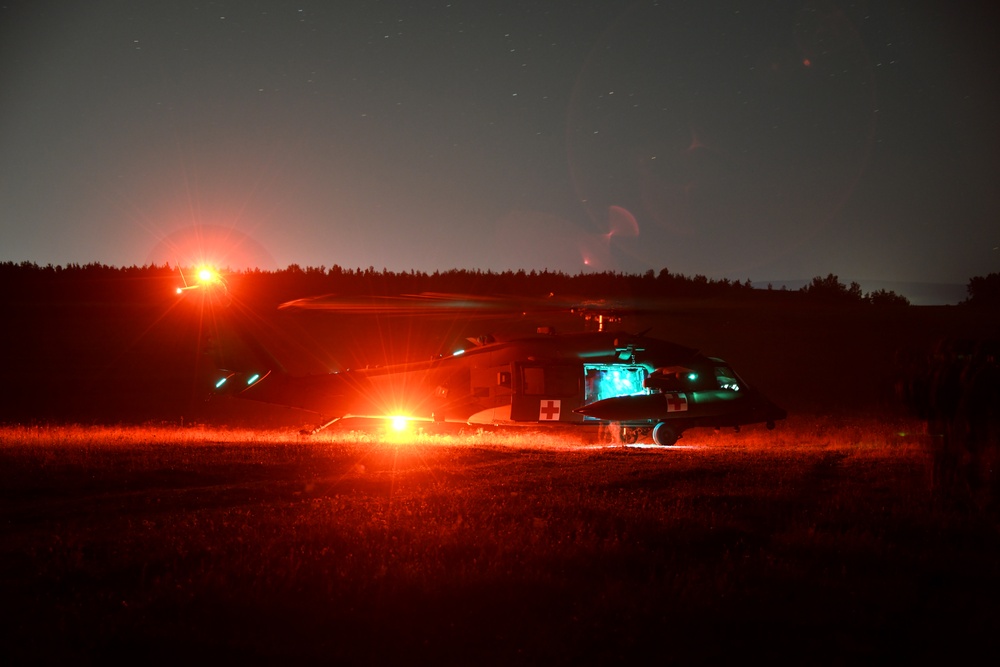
[{"x": 769, "y": 140}]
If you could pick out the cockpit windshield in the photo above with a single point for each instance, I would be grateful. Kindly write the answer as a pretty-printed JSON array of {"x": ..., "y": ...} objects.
[{"x": 727, "y": 379}]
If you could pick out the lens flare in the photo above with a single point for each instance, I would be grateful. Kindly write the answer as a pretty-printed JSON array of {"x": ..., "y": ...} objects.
[{"x": 211, "y": 245}]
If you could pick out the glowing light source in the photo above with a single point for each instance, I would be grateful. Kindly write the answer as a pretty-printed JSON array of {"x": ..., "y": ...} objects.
[
  {"x": 205, "y": 276},
  {"x": 253, "y": 378},
  {"x": 399, "y": 423},
  {"x": 220, "y": 383}
]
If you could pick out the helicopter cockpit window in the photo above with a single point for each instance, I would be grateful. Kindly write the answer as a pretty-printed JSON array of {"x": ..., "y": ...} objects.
[{"x": 727, "y": 378}]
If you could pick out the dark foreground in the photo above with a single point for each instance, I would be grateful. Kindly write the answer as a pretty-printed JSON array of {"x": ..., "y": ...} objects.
[{"x": 822, "y": 542}]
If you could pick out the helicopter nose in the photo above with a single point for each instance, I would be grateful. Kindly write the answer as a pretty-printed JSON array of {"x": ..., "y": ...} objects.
[{"x": 773, "y": 412}]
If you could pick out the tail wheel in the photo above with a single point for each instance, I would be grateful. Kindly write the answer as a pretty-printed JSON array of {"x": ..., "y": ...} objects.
[{"x": 664, "y": 435}]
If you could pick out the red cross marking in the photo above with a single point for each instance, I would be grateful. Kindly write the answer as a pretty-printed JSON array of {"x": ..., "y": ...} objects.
[
  {"x": 676, "y": 402},
  {"x": 548, "y": 410}
]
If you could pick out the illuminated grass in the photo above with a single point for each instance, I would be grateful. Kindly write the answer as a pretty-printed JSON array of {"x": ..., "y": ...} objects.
[
  {"x": 801, "y": 432},
  {"x": 486, "y": 546}
]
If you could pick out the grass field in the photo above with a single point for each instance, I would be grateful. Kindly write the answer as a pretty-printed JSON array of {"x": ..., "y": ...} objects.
[{"x": 821, "y": 542}]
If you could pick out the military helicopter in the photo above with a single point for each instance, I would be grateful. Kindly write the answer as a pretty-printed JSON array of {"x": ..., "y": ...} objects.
[{"x": 641, "y": 386}]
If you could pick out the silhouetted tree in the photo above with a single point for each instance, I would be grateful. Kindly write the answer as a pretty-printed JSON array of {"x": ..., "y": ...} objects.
[
  {"x": 887, "y": 298},
  {"x": 984, "y": 290},
  {"x": 830, "y": 289}
]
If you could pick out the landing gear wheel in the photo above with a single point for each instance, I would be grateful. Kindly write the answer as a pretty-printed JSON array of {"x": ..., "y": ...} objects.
[{"x": 664, "y": 435}]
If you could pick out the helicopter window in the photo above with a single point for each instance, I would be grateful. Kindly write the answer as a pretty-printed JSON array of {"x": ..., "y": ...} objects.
[
  {"x": 550, "y": 380},
  {"x": 534, "y": 381},
  {"x": 726, "y": 378},
  {"x": 681, "y": 378}
]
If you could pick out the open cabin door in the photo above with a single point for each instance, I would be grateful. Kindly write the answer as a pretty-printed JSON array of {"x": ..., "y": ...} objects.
[{"x": 611, "y": 381}]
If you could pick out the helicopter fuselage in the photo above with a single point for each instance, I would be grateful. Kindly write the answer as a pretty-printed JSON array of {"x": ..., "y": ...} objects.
[{"x": 643, "y": 384}]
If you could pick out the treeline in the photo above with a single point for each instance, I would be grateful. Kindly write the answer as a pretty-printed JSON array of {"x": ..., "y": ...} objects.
[
  {"x": 831, "y": 290},
  {"x": 516, "y": 283},
  {"x": 30, "y": 279}
]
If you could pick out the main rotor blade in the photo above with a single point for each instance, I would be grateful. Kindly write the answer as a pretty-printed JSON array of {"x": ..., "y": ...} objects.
[{"x": 451, "y": 305}]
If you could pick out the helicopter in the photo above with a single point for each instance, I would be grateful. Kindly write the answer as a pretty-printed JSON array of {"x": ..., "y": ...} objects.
[{"x": 638, "y": 386}]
